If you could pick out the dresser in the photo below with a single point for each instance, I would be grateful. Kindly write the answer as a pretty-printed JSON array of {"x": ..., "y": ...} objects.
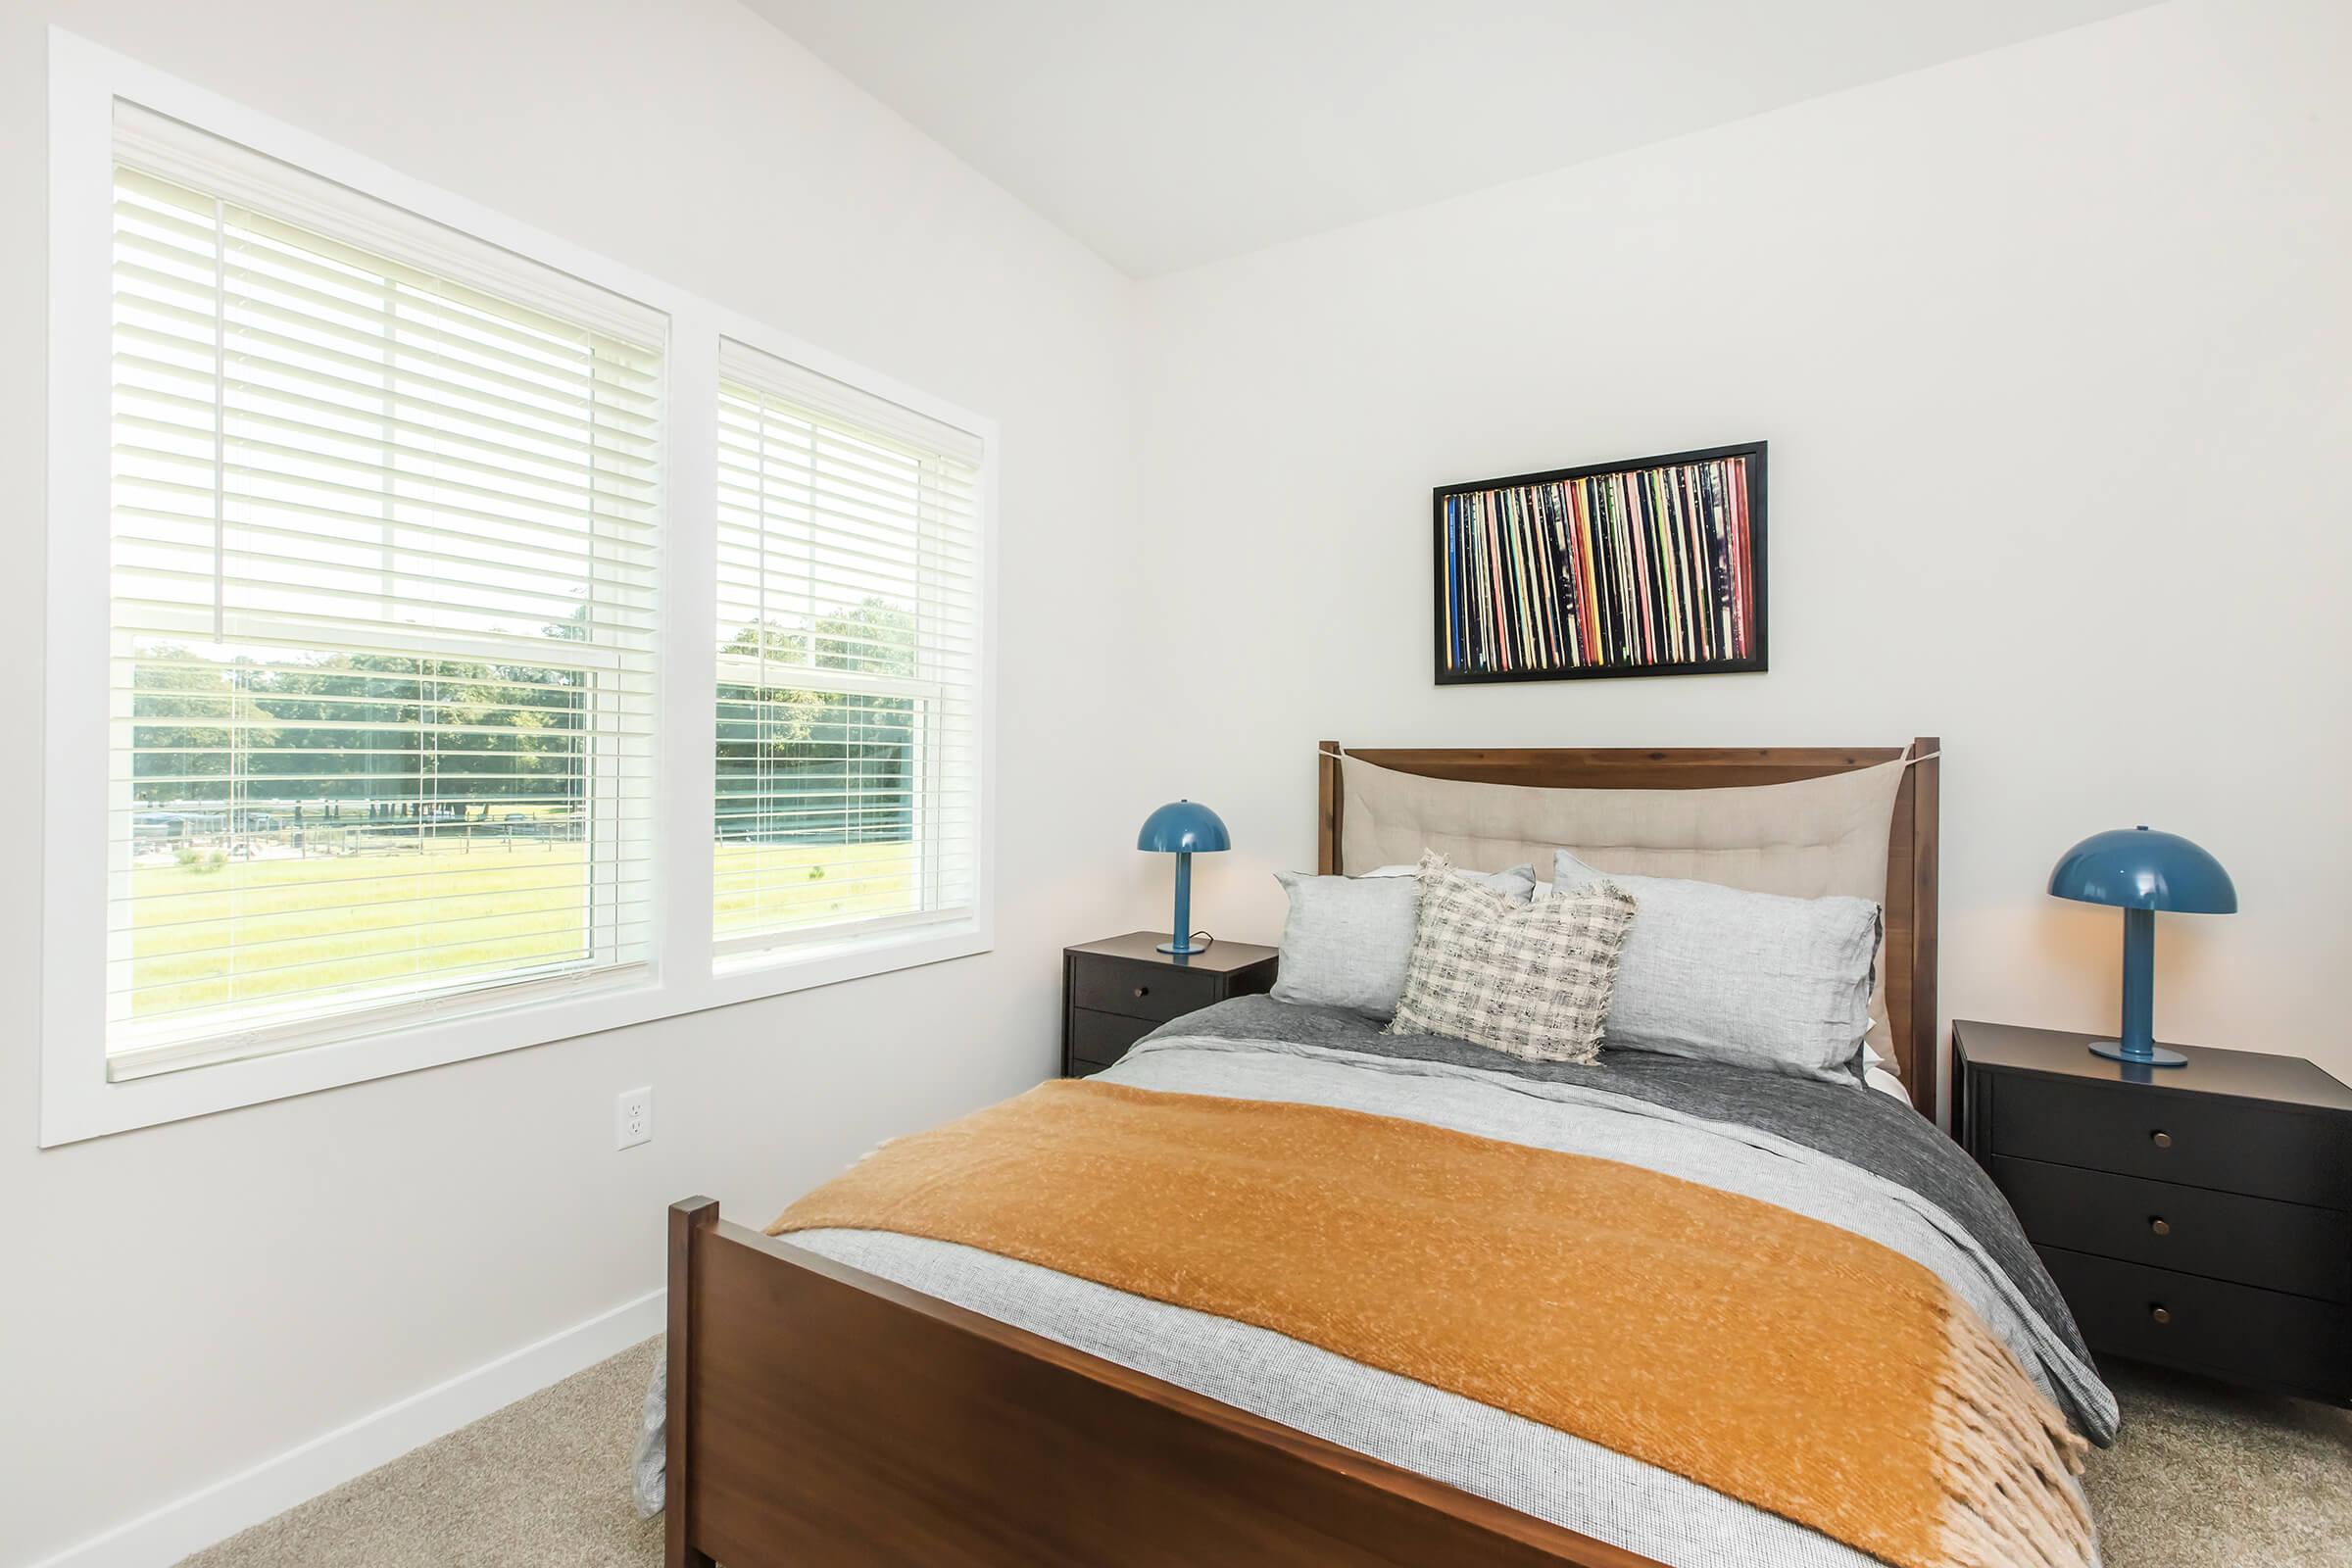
[
  {"x": 2197, "y": 1217},
  {"x": 1116, "y": 991}
]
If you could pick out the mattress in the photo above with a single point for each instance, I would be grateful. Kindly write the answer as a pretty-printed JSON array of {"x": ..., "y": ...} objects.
[{"x": 1840, "y": 1153}]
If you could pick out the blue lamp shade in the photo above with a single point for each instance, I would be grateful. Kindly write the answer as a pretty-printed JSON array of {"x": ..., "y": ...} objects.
[
  {"x": 2141, "y": 868},
  {"x": 1183, "y": 828},
  {"x": 2140, "y": 871}
]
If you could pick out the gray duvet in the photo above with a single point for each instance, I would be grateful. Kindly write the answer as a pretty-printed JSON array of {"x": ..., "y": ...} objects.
[{"x": 1841, "y": 1154}]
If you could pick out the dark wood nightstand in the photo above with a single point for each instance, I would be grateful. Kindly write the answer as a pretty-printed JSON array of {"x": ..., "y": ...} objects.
[
  {"x": 1116, "y": 991},
  {"x": 2199, "y": 1217}
]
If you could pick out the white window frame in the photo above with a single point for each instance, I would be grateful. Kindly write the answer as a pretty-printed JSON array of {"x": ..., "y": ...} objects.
[
  {"x": 933, "y": 683},
  {"x": 78, "y": 1099}
]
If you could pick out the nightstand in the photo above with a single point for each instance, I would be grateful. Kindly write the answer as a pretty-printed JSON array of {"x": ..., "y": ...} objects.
[
  {"x": 2199, "y": 1217},
  {"x": 1116, "y": 991}
]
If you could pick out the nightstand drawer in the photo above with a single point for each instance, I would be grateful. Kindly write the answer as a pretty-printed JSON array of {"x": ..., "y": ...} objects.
[
  {"x": 2225, "y": 1236},
  {"x": 1154, "y": 991},
  {"x": 2232, "y": 1331},
  {"x": 2233, "y": 1145},
  {"x": 1103, "y": 1038}
]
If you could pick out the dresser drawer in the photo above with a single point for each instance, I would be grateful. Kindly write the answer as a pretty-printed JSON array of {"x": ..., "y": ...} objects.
[
  {"x": 1154, "y": 991},
  {"x": 2234, "y": 1146},
  {"x": 2226, "y": 1235},
  {"x": 1101, "y": 1039},
  {"x": 2232, "y": 1331}
]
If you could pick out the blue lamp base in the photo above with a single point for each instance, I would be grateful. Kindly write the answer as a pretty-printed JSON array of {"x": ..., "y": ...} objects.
[
  {"x": 2137, "y": 1047},
  {"x": 2157, "y": 1055},
  {"x": 1181, "y": 945}
]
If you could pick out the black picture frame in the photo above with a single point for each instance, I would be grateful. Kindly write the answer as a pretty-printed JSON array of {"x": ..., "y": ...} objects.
[{"x": 1756, "y": 663}]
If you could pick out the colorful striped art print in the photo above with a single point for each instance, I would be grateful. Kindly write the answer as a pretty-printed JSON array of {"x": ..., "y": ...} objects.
[{"x": 1650, "y": 567}]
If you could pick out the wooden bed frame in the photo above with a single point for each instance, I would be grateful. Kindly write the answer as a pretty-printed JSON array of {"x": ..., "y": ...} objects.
[{"x": 819, "y": 1414}]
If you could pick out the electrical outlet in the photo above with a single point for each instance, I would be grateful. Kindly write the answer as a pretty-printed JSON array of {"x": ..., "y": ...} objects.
[{"x": 633, "y": 1117}]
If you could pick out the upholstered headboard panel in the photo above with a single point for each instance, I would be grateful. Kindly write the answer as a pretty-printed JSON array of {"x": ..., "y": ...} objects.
[
  {"x": 1807, "y": 838},
  {"x": 1804, "y": 822}
]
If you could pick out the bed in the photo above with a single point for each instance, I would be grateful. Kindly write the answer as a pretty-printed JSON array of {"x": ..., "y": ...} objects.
[{"x": 854, "y": 1396}]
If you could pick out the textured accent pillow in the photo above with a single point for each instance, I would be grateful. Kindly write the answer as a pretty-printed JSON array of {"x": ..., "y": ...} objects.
[
  {"x": 1529, "y": 979},
  {"x": 1753, "y": 979},
  {"x": 1346, "y": 939}
]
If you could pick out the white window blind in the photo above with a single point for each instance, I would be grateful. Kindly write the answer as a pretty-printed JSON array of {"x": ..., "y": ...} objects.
[
  {"x": 848, "y": 633},
  {"x": 381, "y": 624}
]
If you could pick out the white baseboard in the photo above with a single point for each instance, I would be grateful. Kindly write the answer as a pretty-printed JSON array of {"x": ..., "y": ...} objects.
[{"x": 268, "y": 1488}]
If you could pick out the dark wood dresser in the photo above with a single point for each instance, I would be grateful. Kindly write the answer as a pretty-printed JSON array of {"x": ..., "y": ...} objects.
[
  {"x": 2197, "y": 1217},
  {"x": 1116, "y": 991}
]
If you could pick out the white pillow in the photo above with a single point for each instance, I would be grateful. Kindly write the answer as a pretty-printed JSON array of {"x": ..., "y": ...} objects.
[
  {"x": 1348, "y": 939},
  {"x": 1755, "y": 979}
]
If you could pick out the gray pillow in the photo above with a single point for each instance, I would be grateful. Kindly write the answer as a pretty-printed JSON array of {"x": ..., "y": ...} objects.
[
  {"x": 1755, "y": 979},
  {"x": 1348, "y": 939}
]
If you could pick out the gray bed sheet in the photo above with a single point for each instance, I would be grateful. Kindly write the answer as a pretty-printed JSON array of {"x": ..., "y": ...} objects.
[{"x": 1855, "y": 1159}]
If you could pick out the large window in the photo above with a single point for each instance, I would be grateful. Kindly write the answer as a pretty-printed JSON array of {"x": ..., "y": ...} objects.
[
  {"x": 384, "y": 722},
  {"x": 381, "y": 614},
  {"x": 848, "y": 621}
]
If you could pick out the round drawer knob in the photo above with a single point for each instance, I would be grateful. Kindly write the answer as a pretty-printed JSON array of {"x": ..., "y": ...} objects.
[
  {"x": 2161, "y": 1226},
  {"x": 1143, "y": 990},
  {"x": 2162, "y": 1140},
  {"x": 2160, "y": 1315}
]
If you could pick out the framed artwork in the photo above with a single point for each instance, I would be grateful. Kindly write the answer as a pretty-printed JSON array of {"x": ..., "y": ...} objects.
[{"x": 1653, "y": 566}]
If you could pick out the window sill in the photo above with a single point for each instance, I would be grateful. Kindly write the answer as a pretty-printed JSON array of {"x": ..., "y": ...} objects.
[
  {"x": 78, "y": 1108},
  {"x": 769, "y": 971}
]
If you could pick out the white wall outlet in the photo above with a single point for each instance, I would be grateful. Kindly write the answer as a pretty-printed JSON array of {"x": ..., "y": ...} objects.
[{"x": 633, "y": 1117}]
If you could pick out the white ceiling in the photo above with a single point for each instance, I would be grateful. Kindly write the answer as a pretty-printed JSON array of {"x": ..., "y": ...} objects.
[{"x": 1169, "y": 132}]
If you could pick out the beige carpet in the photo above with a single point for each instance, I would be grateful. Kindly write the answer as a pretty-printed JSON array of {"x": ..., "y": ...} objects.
[
  {"x": 2203, "y": 1477},
  {"x": 2208, "y": 1475},
  {"x": 542, "y": 1483}
]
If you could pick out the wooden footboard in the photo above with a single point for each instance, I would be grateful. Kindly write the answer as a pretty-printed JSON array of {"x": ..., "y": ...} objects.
[{"x": 820, "y": 1414}]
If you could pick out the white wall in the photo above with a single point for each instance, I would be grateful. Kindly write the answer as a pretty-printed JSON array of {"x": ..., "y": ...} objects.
[
  {"x": 185, "y": 1301},
  {"x": 2052, "y": 348},
  {"x": 2050, "y": 344}
]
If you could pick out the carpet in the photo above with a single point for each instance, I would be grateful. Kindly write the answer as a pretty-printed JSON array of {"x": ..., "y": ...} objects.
[
  {"x": 540, "y": 1484},
  {"x": 2202, "y": 1477}
]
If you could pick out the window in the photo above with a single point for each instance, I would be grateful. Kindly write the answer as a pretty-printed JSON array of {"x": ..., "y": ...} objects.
[
  {"x": 383, "y": 720},
  {"x": 381, "y": 614},
  {"x": 848, "y": 637}
]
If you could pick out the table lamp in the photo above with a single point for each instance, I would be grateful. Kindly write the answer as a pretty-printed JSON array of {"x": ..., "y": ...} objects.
[
  {"x": 1181, "y": 828},
  {"x": 2143, "y": 871}
]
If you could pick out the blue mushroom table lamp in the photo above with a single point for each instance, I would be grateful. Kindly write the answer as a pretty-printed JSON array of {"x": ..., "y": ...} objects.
[
  {"x": 1183, "y": 828},
  {"x": 2143, "y": 871}
]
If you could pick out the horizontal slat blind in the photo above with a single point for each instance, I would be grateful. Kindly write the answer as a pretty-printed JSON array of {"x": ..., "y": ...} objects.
[
  {"x": 848, "y": 633},
  {"x": 382, "y": 614}
]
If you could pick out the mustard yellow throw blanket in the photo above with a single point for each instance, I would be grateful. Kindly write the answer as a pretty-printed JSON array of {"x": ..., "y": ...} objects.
[{"x": 1757, "y": 1352}]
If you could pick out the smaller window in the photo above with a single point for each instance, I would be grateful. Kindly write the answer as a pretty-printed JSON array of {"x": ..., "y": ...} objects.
[{"x": 847, "y": 769}]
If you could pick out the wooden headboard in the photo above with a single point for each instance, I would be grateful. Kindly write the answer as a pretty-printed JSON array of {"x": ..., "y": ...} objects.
[{"x": 1910, "y": 852}]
